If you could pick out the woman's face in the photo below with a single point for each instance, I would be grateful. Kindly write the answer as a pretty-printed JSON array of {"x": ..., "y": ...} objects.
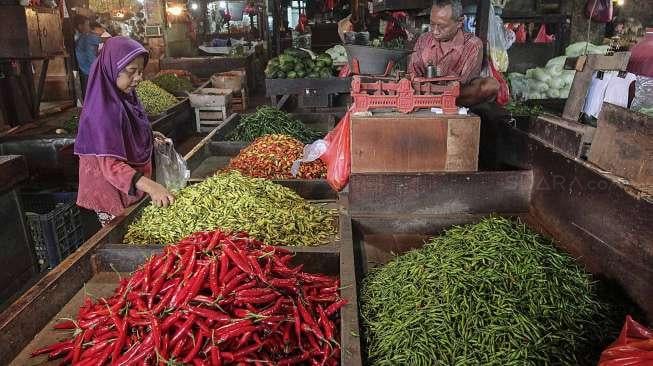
[{"x": 131, "y": 75}]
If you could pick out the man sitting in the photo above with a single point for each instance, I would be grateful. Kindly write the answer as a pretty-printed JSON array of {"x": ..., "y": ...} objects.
[{"x": 453, "y": 52}]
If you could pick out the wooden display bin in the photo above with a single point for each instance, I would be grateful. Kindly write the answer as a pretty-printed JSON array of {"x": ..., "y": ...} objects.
[{"x": 414, "y": 143}]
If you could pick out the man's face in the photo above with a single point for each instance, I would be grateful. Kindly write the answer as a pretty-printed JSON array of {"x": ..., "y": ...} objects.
[
  {"x": 84, "y": 27},
  {"x": 98, "y": 31},
  {"x": 443, "y": 26}
]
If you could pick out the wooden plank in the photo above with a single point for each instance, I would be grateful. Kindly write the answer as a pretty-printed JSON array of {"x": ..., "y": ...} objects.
[
  {"x": 335, "y": 85},
  {"x": 568, "y": 137},
  {"x": 425, "y": 224},
  {"x": 583, "y": 79},
  {"x": 13, "y": 170},
  {"x": 401, "y": 143},
  {"x": 623, "y": 145},
  {"x": 603, "y": 222},
  {"x": 350, "y": 327},
  {"x": 440, "y": 193},
  {"x": 463, "y": 138}
]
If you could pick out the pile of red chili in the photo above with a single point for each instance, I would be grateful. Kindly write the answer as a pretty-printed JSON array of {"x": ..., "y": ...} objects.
[
  {"x": 211, "y": 299},
  {"x": 272, "y": 156}
]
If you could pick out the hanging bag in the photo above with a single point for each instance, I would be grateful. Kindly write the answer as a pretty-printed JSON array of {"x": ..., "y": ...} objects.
[{"x": 599, "y": 10}]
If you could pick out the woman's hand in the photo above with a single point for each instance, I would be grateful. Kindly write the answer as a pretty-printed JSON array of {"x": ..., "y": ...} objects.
[
  {"x": 161, "y": 197},
  {"x": 158, "y": 135}
]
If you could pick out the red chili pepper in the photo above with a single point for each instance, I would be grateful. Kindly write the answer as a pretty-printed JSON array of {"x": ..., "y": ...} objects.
[
  {"x": 265, "y": 299},
  {"x": 333, "y": 308},
  {"x": 294, "y": 360},
  {"x": 241, "y": 353},
  {"x": 213, "y": 278},
  {"x": 325, "y": 323},
  {"x": 52, "y": 348},
  {"x": 158, "y": 281},
  {"x": 298, "y": 325},
  {"x": 183, "y": 330},
  {"x": 238, "y": 259},
  {"x": 274, "y": 308},
  {"x": 233, "y": 284},
  {"x": 216, "y": 360},
  {"x": 210, "y": 314},
  {"x": 165, "y": 300},
  {"x": 197, "y": 284},
  {"x": 308, "y": 319},
  {"x": 122, "y": 336},
  {"x": 323, "y": 298},
  {"x": 214, "y": 240},
  {"x": 170, "y": 320},
  {"x": 255, "y": 292},
  {"x": 67, "y": 324},
  {"x": 230, "y": 275},
  {"x": 176, "y": 351},
  {"x": 77, "y": 349},
  {"x": 224, "y": 267},
  {"x": 199, "y": 340}
]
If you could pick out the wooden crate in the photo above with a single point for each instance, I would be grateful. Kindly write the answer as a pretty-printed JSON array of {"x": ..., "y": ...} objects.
[
  {"x": 208, "y": 118},
  {"x": 239, "y": 101},
  {"x": 623, "y": 145},
  {"x": 414, "y": 143}
]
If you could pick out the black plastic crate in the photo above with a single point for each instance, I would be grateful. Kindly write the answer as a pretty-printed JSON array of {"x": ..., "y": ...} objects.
[{"x": 55, "y": 226}]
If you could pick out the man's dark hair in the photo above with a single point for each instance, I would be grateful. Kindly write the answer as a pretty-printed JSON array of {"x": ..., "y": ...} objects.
[
  {"x": 95, "y": 25},
  {"x": 456, "y": 7},
  {"x": 79, "y": 20}
]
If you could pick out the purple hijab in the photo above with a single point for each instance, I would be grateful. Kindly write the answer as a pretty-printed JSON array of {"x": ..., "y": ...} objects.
[{"x": 113, "y": 123}]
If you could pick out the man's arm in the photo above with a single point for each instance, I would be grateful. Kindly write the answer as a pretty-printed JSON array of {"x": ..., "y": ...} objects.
[
  {"x": 472, "y": 59},
  {"x": 416, "y": 65}
]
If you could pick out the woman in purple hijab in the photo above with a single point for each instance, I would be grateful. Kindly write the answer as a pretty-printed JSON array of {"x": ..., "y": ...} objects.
[{"x": 115, "y": 140}]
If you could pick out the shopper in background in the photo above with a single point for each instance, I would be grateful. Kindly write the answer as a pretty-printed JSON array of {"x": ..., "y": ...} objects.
[
  {"x": 86, "y": 48},
  {"x": 115, "y": 140}
]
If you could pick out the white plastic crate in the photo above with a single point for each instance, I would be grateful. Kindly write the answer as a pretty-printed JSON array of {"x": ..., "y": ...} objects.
[
  {"x": 210, "y": 97},
  {"x": 208, "y": 118}
]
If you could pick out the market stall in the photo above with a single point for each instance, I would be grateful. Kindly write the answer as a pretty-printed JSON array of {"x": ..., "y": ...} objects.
[{"x": 488, "y": 203}]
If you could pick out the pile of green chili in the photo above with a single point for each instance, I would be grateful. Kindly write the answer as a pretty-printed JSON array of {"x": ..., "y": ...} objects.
[
  {"x": 269, "y": 121},
  {"x": 155, "y": 100},
  {"x": 494, "y": 293},
  {"x": 231, "y": 201}
]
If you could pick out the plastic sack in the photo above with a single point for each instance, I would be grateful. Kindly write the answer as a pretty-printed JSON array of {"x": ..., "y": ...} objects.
[
  {"x": 335, "y": 152},
  {"x": 643, "y": 93},
  {"x": 599, "y": 10},
  {"x": 337, "y": 156},
  {"x": 503, "y": 96},
  {"x": 171, "y": 170},
  {"x": 542, "y": 37},
  {"x": 311, "y": 153},
  {"x": 497, "y": 43},
  {"x": 633, "y": 347}
]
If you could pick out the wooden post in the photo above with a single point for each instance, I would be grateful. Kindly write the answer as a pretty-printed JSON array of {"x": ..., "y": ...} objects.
[{"x": 482, "y": 25}]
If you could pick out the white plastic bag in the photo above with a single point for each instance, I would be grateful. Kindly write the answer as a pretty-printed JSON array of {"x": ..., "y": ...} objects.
[
  {"x": 497, "y": 43},
  {"x": 312, "y": 152},
  {"x": 171, "y": 170}
]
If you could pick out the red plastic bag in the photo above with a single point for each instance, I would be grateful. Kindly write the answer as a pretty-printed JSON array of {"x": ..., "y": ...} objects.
[
  {"x": 634, "y": 347},
  {"x": 338, "y": 154},
  {"x": 503, "y": 96},
  {"x": 542, "y": 37},
  {"x": 599, "y": 10}
]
